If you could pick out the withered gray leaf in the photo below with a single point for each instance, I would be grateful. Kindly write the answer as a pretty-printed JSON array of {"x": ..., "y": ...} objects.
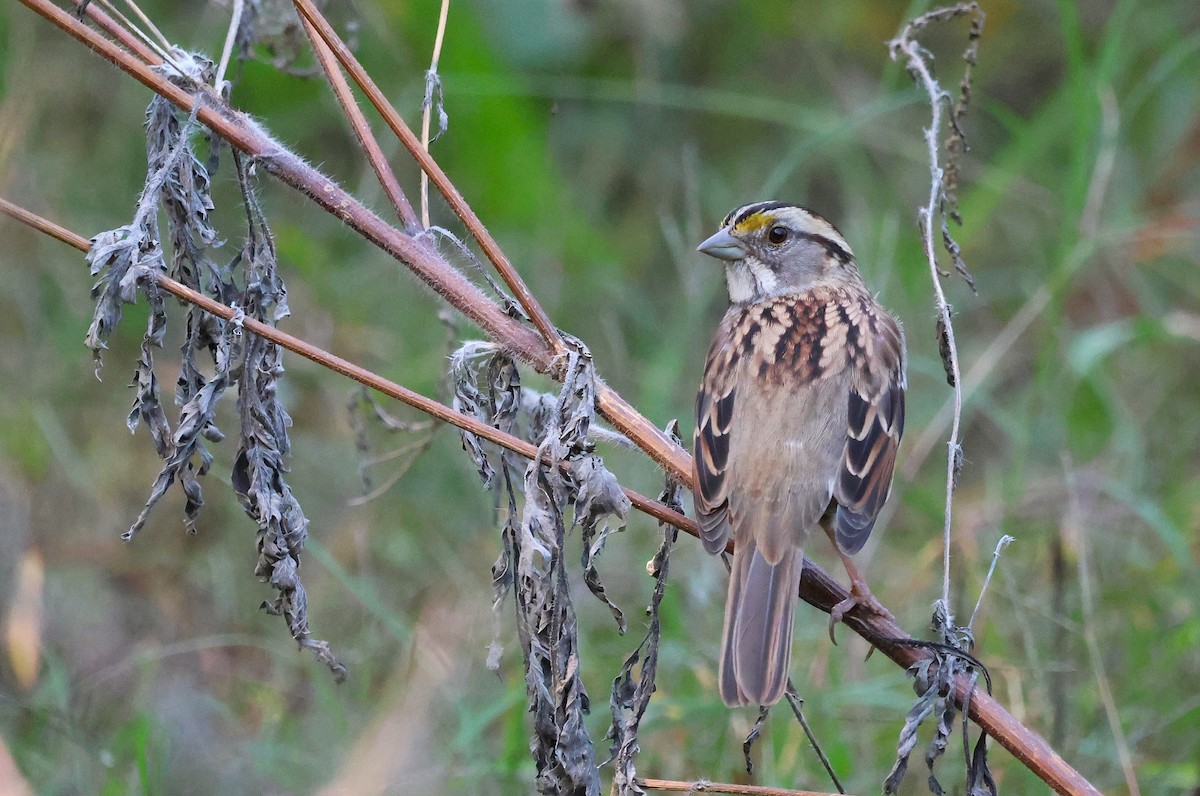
[
  {"x": 467, "y": 366},
  {"x": 129, "y": 260},
  {"x": 934, "y": 682},
  {"x": 599, "y": 497},
  {"x": 546, "y": 625},
  {"x": 631, "y": 694},
  {"x": 260, "y": 467}
]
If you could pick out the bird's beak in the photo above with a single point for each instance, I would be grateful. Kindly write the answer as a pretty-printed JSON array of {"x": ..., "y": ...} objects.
[{"x": 724, "y": 246}]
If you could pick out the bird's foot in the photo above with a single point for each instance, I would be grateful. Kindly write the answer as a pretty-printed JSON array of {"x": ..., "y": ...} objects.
[{"x": 860, "y": 595}]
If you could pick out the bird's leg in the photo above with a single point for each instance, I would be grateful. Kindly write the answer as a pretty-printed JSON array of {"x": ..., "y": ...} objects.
[{"x": 860, "y": 593}]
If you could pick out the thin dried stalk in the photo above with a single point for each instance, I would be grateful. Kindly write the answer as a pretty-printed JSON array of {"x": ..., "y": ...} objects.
[
  {"x": 235, "y": 22},
  {"x": 127, "y": 39},
  {"x": 1073, "y": 529},
  {"x": 797, "y": 706},
  {"x": 433, "y": 92},
  {"x": 455, "y": 199},
  {"x": 704, "y": 786},
  {"x": 346, "y": 368},
  {"x": 362, "y": 131},
  {"x": 907, "y": 45},
  {"x": 936, "y": 682}
]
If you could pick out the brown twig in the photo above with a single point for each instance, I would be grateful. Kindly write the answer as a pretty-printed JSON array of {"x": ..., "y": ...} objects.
[
  {"x": 362, "y": 131},
  {"x": 344, "y": 367},
  {"x": 43, "y": 225},
  {"x": 816, "y": 587},
  {"x": 704, "y": 786},
  {"x": 457, "y": 203},
  {"x": 248, "y": 137},
  {"x": 118, "y": 32}
]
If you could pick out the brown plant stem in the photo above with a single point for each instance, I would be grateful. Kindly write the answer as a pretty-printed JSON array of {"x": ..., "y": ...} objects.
[
  {"x": 362, "y": 131},
  {"x": 345, "y": 367},
  {"x": 118, "y": 32},
  {"x": 457, "y": 203},
  {"x": 243, "y": 133},
  {"x": 816, "y": 587},
  {"x": 704, "y": 786}
]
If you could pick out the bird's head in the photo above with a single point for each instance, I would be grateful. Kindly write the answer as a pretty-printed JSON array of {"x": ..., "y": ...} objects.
[{"x": 773, "y": 248}]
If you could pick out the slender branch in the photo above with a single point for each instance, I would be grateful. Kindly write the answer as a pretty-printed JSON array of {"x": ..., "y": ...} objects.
[
  {"x": 243, "y": 133},
  {"x": 362, "y": 131},
  {"x": 43, "y": 225},
  {"x": 455, "y": 199},
  {"x": 127, "y": 39},
  {"x": 235, "y": 22},
  {"x": 907, "y": 45},
  {"x": 704, "y": 786},
  {"x": 797, "y": 706},
  {"x": 1004, "y": 542},
  {"x": 160, "y": 47},
  {"x": 345, "y": 367},
  {"x": 427, "y": 106},
  {"x": 140, "y": 14}
]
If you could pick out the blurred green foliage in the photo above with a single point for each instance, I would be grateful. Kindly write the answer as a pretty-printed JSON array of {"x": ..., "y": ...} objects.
[{"x": 600, "y": 142}]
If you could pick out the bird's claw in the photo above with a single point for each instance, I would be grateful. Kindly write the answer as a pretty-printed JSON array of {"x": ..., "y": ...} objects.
[{"x": 860, "y": 595}]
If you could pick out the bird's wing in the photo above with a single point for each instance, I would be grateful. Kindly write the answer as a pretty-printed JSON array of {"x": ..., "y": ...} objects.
[
  {"x": 875, "y": 423},
  {"x": 710, "y": 441}
]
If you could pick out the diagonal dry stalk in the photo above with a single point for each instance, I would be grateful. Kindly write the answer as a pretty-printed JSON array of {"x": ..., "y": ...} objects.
[
  {"x": 704, "y": 786},
  {"x": 121, "y": 34},
  {"x": 339, "y": 365},
  {"x": 362, "y": 131},
  {"x": 540, "y": 349},
  {"x": 315, "y": 20}
]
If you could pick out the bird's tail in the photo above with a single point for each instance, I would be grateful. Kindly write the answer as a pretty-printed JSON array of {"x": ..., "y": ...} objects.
[{"x": 757, "y": 642}]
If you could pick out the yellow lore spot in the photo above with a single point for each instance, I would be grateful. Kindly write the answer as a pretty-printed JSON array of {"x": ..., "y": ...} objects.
[{"x": 753, "y": 222}]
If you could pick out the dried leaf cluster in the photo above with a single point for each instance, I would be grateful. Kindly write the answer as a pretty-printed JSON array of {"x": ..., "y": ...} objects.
[
  {"x": 935, "y": 685},
  {"x": 127, "y": 261},
  {"x": 567, "y": 475}
]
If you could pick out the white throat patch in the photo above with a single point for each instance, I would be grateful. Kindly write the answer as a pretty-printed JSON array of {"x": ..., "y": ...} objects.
[{"x": 749, "y": 279}]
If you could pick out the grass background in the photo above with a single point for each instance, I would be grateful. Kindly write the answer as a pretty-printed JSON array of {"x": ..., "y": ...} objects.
[{"x": 600, "y": 142}]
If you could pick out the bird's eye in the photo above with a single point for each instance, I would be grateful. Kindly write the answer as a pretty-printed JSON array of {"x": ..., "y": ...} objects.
[{"x": 777, "y": 234}]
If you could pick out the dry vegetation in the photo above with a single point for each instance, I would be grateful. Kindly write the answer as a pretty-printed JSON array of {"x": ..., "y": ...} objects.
[{"x": 597, "y": 144}]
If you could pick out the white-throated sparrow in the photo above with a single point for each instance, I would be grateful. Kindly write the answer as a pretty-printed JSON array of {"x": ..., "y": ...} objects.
[{"x": 797, "y": 423}]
